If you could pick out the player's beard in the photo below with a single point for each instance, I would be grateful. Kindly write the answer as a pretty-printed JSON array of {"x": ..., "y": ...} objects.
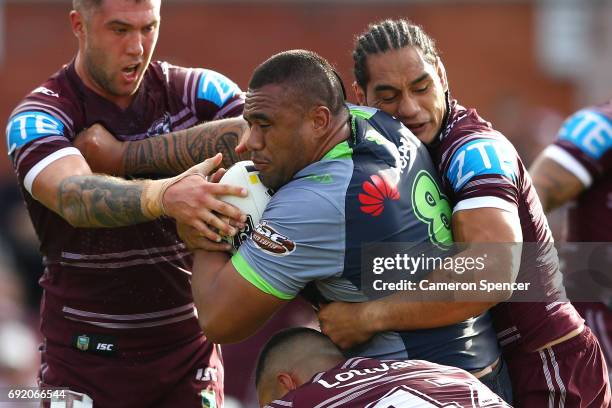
[{"x": 103, "y": 78}]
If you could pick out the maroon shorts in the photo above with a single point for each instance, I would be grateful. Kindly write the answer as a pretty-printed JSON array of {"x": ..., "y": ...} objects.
[
  {"x": 188, "y": 375},
  {"x": 572, "y": 374},
  {"x": 599, "y": 318}
]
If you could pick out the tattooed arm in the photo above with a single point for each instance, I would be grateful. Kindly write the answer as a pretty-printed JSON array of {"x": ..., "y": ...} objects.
[
  {"x": 168, "y": 154},
  {"x": 553, "y": 183},
  {"x": 88, "y": 200}
]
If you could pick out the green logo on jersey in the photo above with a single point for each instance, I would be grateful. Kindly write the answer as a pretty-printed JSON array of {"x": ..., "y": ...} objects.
[
  {"x": 432, "y": 208},
  {"x": 321, "y": 178}
]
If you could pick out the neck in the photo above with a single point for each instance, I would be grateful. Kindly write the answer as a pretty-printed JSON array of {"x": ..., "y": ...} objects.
[
  {"x": 81, "y": 70},
  {"x": 339, "y": 132}
]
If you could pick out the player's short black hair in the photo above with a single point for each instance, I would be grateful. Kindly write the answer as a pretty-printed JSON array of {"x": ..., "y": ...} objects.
[
  {"x": 85, "y": 5},
  {"x": 389, "y": 35},
  {"x": 305, "y": 72},
  {"x": 283, "y": 338}
]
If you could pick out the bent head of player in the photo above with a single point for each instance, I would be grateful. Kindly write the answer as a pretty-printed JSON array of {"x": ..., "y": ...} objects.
[
  {"x": 295, "y": 110},
  {"x": 397, "y": 70},
  {"x": 290, "y": 358},
  {"x": 116, "y": 41}
]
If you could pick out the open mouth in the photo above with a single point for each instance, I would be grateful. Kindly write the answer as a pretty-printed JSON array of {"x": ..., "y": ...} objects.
[{"x": 130, "y": 72}]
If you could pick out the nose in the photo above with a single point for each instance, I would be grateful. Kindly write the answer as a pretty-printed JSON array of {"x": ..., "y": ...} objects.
[
  {"x": 135, "y": 45},
  {"x": 254, "y": 139},
  {"x": 408, "y": 107}
]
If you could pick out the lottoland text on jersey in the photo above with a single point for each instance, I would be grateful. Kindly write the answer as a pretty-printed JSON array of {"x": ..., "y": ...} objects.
[{"x": 516, "y": 272}]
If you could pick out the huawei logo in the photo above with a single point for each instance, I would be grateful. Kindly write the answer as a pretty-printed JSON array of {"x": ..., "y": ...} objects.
[{"x": 375, "y": 193}]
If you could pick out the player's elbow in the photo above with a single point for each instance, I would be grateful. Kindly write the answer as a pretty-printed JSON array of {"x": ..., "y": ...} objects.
[{"x": 218, "y": 330}]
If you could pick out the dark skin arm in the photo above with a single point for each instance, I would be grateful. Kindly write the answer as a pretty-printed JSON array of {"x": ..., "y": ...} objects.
[
  {"x": 554, "y": 184},
  {"x": 169, "y": 154},
  {"x": 238, "y": 308},
  {"x": 349, "y": 324}
]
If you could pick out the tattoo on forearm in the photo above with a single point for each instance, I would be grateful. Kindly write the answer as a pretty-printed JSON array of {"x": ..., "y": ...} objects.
[
  {"x": 554, "y": 192},
  {"x": 175, "y": 152},
  {"x": 100, "y": 201}
]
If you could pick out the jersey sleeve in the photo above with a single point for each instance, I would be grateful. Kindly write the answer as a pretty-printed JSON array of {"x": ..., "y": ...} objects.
[
  {"x": 483, "y": 172},
  {"x": 209, "y": 94},
  {"x": 301, "y": 238},
  {"x": 583, "y": 145},
  {"x": 38, "y": 133}
]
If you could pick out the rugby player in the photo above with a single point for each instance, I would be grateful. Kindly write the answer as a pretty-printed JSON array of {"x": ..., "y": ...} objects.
[
  {"x": 301, "y": 367},
  {"x": 117, "y": 318},
  {"x": 398, "y": 70},
  {"x": 321, "y": 158},
  {"x": 578, "y": 168}
]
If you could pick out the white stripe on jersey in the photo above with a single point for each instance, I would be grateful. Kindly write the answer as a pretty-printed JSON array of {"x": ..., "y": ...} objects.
[
  {"x": 486, "y": 202},
  {"x": 22, "y": 155},
  {"x": 569, "y": 163},
  {"x": 50, "y": 109},
  {"x": 154, "y": 323},
  {"x": 506, "y": 332},
  {"x": 124, "y": 254},
  {"x": 132, "y": 262},
  {"x": 186, "y": 87},
  {"x": 509, "y": 340},
  {"x": 228, "y": 108},
  {"x": 123, "y": 317},
  {"x": 41, "y": 165}
]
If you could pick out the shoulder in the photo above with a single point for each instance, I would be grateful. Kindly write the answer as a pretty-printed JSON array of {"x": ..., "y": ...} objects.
[
  {"x": 477, "y": 152},
  {"x": 318, "y": 189},
  {"x": 203, "y": 83},
  {"x": 590, "y": 130},
  {"x": 53, "y": 108}
]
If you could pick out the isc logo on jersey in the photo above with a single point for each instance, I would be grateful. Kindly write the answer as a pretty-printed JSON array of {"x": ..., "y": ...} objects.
[
  {"x": 28, "y": 126},
  {"x": 245, "y": 175},
  {"x": 216, "y": 88}
]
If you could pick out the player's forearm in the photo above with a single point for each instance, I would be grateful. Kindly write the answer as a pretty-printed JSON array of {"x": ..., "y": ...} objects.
[
  {"x": 399, "y": 313},
  {"x": 554, "y": 184},
  {"x": 95, "y": 201},
  {"x": 175, "y": 152},
  {"x": 424, "y": 307}
]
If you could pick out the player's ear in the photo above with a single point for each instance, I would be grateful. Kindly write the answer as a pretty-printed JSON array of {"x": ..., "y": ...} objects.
[
  {"x": 321, "y": 119},
  {"x": 286, "y": 382},
  {"x": 441, "y": 73},
  {"x": 360, "y": 94},
  {"x": 77, "y": 22}
]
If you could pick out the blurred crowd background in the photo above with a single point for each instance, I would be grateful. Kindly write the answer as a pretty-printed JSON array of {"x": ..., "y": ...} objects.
[{"x": 524, "y": 64}]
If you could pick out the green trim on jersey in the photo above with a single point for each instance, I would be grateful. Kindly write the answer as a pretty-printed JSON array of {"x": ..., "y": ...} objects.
[
  {"x": 363, "y": 113},
  {"x": 248, "y": 273},
  {"x": 340, "y": 151}
]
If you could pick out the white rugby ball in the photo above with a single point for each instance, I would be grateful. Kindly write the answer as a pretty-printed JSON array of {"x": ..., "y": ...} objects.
[{"x": 244, "y": 174}]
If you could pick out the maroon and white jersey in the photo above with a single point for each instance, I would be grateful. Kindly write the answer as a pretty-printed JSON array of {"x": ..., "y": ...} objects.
[
  {"x": 130, "y": 283},
  {"x": 365, "y": 382},
  {"x": 584, "y": 148},
  {"x": 480, "y": 168}
]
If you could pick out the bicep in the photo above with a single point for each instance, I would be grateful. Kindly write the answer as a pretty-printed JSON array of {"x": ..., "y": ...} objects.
[
  {"x": 485, "y": 225},
  {"x": 46, "y": 183},
  {"x": 554, "y": 184}
]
